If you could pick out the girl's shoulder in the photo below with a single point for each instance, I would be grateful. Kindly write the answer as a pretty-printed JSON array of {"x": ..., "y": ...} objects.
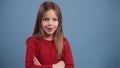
[
  {"x": 65, "y": 40},
  {"x": 32, "y": 39}
]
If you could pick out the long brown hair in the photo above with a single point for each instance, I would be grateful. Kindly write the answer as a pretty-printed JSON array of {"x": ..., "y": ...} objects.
[{"x": 58, "y": 35}]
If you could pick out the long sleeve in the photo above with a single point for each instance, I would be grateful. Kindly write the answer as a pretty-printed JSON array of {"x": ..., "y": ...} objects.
[
  {"x": 68, "y": 58},
  {"x": 32, "y": 44}
]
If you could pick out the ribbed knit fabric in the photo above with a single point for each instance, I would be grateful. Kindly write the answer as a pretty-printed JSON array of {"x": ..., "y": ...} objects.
[{"x": 46, "y": 53}]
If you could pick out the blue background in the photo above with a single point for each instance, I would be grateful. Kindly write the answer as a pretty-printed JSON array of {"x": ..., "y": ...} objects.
[{"x": 91, "y": 26}]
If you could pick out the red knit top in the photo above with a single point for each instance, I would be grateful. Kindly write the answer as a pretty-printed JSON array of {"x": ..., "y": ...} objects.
[{"x": 46, "y": 53}]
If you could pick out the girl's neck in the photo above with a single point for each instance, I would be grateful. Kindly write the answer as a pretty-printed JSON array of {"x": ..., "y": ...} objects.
[{"x": 48, "y": 37}]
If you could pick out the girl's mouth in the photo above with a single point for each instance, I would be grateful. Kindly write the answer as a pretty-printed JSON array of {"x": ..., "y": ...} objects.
[{"x": 49, "y": 29}]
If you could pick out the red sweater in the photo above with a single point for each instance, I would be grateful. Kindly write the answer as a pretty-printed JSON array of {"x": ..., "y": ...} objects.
[{"x": 46, "y": 53}]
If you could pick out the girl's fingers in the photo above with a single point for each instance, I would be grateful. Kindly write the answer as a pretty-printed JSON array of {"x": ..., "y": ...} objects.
[{"x": 36, "y": 61}]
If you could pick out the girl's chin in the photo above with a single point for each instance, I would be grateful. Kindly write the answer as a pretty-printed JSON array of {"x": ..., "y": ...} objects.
[{"x": 50, "y": 33}]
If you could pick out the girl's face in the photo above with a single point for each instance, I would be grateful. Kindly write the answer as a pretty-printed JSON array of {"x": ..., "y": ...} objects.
[{"x": 49, "y": 22}]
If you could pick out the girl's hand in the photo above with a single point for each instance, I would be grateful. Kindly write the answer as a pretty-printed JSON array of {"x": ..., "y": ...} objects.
[
  {"x": 36, "y": 61},
  {"x": 60, "y": 64}
]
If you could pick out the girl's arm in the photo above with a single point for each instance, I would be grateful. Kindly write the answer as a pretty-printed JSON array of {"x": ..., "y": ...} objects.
[
  {"x": 67, "y": 55},
  {"x": 60, "y": 64},
  {"x": 32, "y": 43}
]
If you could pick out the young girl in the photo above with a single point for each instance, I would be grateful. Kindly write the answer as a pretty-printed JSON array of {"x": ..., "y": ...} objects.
[{"x": 47, "y": 47}]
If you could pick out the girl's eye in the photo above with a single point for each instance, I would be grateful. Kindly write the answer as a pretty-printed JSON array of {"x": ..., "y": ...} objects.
[
  {"x": 46, "y": 19},
  {"x": 55, "y": 19}
]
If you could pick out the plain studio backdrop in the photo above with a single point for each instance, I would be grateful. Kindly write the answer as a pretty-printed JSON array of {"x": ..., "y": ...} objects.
[{"x": 91, "y": 26}]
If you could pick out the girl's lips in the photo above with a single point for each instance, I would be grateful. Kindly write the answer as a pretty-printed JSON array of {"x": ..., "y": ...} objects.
[{"x": 49, "y": 29}]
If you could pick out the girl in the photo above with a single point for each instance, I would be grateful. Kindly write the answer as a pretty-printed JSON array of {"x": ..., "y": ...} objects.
[{"x": 47, "y": 47}]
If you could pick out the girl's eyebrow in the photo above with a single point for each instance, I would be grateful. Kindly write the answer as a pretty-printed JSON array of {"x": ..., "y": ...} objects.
[
  {"x": 49, "y": 17},
  {"x": 45, "y": 17}
]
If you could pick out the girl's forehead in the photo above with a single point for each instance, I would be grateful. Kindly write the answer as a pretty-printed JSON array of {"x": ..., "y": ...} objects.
[{"x": 51, "y": 13}]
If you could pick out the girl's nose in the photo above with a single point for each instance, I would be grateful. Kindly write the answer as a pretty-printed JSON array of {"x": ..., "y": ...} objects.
[{"x": 50, "y": 22}]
